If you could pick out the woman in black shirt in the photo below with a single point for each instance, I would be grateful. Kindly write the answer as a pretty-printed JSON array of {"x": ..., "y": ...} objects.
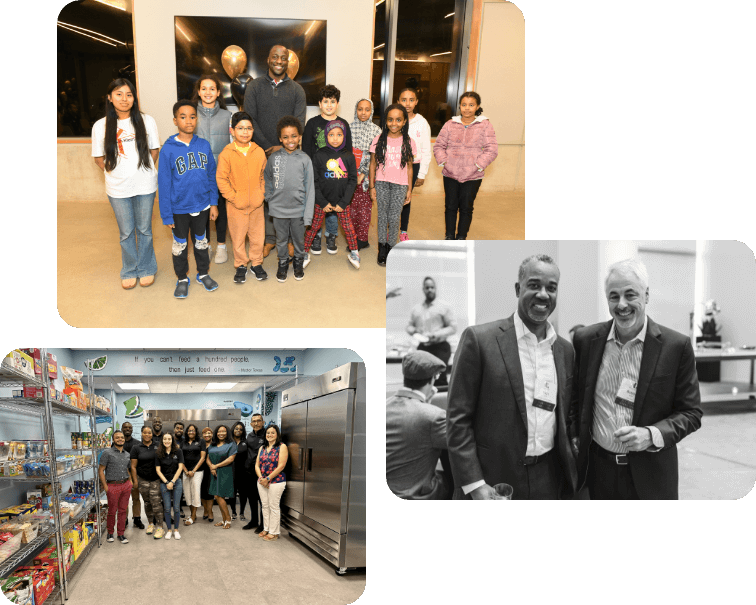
[
  {"x": 194, "y": 452},
  {"x": 143, "y": 466},
  {"x": 169, "y": 464},
  {"x": 239, "y": 434},
  {"x": 205, "y": 496}
]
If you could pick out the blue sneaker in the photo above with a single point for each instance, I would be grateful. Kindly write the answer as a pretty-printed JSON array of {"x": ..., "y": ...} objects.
[{"x": 207, "y": 281}]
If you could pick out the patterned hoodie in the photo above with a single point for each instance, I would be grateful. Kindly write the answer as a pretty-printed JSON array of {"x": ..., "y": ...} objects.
[{"x": 363, "y": 134}]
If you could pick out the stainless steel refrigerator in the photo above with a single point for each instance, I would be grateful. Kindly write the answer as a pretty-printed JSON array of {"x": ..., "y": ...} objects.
[{"x": 323, "y": 425}]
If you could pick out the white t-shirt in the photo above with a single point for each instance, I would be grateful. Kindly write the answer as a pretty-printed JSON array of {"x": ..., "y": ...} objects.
[{"x": 125, "y": 180}]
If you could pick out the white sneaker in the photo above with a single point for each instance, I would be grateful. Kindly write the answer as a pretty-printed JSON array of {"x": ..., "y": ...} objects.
[
  {"x": 176, "y": 535},
  {"x": 354, "y": 258},
  {"x": 221, "y": 255},
  {"x": 168, "y": 535},
  {"x": 306, "y": 260}
]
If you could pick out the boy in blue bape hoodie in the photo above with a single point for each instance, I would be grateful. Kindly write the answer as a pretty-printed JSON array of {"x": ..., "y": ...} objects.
[{"x": 187, "y": 192}]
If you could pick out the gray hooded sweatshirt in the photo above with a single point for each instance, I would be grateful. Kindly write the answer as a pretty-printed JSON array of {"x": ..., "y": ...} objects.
[{"x": 290, "y": 185}]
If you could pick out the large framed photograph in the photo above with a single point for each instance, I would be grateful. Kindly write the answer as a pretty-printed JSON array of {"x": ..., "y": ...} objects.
[{"x": 200, "y": 42}]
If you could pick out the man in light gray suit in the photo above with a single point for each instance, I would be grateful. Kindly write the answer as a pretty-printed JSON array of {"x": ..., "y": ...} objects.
[{"x": 509, "y": 398}]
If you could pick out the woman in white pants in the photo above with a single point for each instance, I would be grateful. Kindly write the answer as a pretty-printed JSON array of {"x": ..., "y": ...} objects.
[
  {"x": 194, "y": 459},
  {"x": 271, "y": 482}
]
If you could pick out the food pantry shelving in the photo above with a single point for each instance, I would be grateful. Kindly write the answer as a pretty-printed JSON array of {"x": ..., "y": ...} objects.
[{"x": 47, "y": 409}]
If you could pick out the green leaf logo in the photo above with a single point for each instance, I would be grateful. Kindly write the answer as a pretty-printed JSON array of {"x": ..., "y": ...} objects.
[{"x": 97, "y": 364}]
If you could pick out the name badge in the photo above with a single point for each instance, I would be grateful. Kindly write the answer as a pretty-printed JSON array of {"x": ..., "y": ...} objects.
[
  {"x": 626, "y": 394},
  {"x": 545, "y": 394}
]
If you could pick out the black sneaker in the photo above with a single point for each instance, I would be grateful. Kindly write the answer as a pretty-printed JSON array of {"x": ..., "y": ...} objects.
[
  {"x": 259, "y": 272},
  {"x": 123, "y": 540},
  {"x": 207, "y": 281},
  {"x": 283, "y": 270},
  {"x": 259, "y": 529},
  {"x": 241, "y": 274},
  {"x": 298, "y": 268},
  {"x": 250, "y": 525},
  {"x": 182, "y": 289},
  {"x": 138, "y": 523},
  {"x": 331, "y": 244},
  {"x": 362, "y": 245},
  {"x": 315, "y": 248},
  {"x": 382, "y": 254},
  {"x": 111, "y": 538}
]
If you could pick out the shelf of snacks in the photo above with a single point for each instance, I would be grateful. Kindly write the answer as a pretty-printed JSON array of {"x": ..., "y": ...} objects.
[
  {"x": 81, "y": 539},
  {"x": 14, "y": 555},
  {"x": 14, "y": 371},
  {"x": 30, "y": 533}
]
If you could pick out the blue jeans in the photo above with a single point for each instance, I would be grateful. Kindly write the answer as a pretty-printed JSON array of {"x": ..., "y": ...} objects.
[
  {"x": 331, "y": 224},
  {"x": 175, "y": 493},
  {"x": 134, "y": 216}
]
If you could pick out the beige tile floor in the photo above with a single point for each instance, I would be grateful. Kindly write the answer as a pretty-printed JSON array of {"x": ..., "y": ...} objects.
[
  {"x": 90, "y": 293},
  {"x": 496, "y": 216},
  {"x": 212, "y": 565}
]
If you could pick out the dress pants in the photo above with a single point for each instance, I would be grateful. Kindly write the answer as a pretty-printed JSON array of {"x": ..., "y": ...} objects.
[
  {"x": 544, "y": 479},
  {"x": 608, "y": 480},
  {"x": 270, "y": 497}
]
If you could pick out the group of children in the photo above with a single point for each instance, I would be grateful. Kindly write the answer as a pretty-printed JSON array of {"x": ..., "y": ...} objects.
[{"x": 335, "y": 178}]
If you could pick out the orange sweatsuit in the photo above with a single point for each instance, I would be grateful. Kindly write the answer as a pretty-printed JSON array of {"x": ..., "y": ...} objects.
[{"x": 240, "y": 181}]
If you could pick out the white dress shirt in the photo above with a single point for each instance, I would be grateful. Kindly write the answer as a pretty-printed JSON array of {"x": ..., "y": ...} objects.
[{"x": 536, "y": 359}]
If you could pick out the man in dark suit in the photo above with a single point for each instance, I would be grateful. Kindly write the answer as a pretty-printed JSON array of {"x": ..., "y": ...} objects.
[
  {"x": 636, "y": 396},
  {"x": 509, "y": 397}
]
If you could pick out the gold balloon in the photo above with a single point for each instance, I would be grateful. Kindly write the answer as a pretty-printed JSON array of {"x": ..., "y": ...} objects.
[
  {"x": 293, "y": 68},
  {"x": 234, "y": 60}
]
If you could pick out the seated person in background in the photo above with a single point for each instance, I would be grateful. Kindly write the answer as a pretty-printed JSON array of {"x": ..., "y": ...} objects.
[{"x": 416, "y": 432}]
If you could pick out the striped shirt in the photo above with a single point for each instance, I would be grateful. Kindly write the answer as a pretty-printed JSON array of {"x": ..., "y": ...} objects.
[{"x": 619, "y": 361}]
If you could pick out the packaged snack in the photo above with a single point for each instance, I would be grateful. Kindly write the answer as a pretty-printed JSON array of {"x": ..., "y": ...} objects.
[
  {"x": 73, "y": 388},
  {"x": 4, "y": 450},
  {"x": 34, "y": 393},
  {"x": 19, "y": 591},
  {"x": 43, "y": 581},
  {"x": 20, "y": 361},
  {"x": 52, "y": 365}
]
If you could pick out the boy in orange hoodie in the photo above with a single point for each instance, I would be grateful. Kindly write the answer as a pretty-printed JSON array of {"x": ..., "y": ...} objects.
[{"x": 240, "y": 180}]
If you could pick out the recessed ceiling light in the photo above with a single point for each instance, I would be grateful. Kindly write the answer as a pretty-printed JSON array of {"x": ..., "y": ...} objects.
[
  {"x": 220, "y": 386},
  {"x": 134, "y": 385}
]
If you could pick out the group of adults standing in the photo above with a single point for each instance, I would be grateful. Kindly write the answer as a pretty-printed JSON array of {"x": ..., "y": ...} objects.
[
  {"x": 204, "y": 468},
  {"x": 547, "y": 417}
]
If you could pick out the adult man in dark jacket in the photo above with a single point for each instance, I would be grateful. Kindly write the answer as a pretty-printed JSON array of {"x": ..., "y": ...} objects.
[
  {"x": 509, "y": 396},
  {"x": 636, "y": 396}
]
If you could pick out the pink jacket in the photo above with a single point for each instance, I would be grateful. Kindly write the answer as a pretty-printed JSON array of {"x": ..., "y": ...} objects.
[{"x": 465, "y": 151}]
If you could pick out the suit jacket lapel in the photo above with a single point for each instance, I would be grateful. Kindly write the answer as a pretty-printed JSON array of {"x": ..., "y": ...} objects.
[
  {"x": 507, "y": 340},
  {"x": 595, "y": 354},
  {"x": 651, "y": 350},
  {"x": 563, "y": 398}
]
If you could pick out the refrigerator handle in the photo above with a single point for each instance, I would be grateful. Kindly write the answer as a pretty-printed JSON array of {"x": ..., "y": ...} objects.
[
  {"x": 301, "y": 455},
  {"x": 309, "y": 461}
]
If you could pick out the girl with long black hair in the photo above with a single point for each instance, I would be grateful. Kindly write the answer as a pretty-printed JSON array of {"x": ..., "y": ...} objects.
[
  {"x": 393, "y": 152},
  {"x": 125, "y": 147}
]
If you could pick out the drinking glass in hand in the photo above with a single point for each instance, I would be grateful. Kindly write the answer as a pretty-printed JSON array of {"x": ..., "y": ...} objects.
[{"x": 503, "y": 491}]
